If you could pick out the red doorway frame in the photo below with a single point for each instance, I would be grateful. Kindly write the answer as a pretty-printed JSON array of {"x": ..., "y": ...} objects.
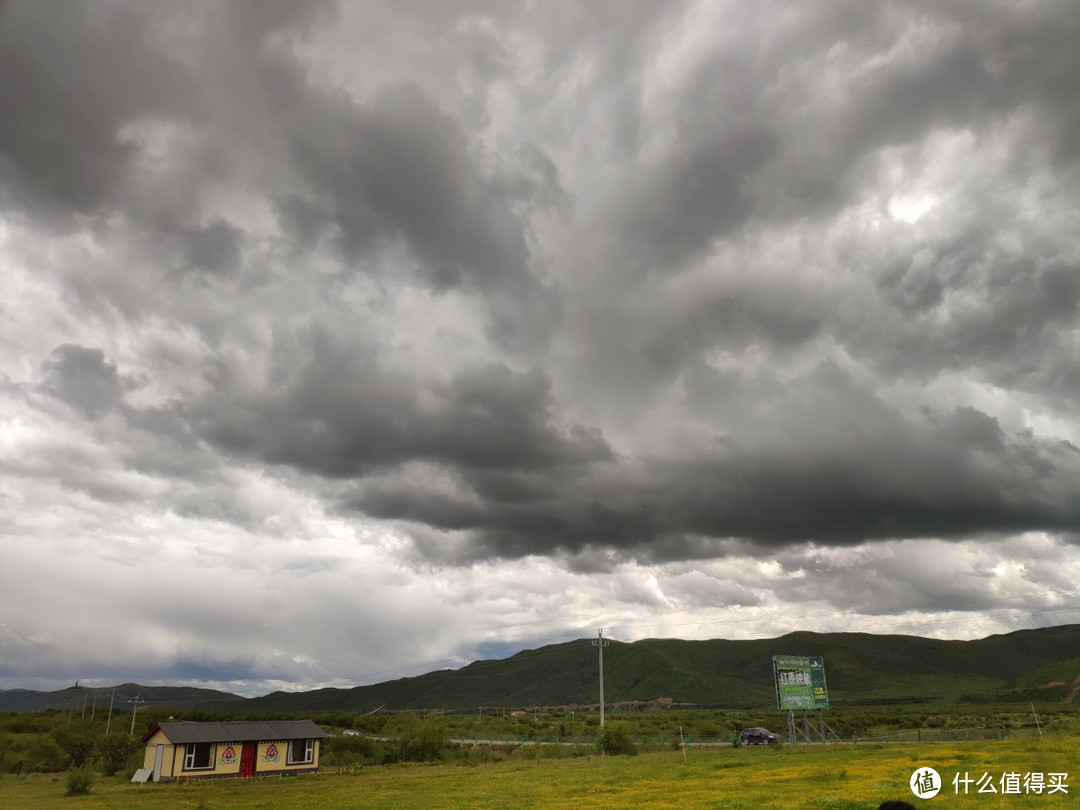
[{"x": 247, "y": 759}]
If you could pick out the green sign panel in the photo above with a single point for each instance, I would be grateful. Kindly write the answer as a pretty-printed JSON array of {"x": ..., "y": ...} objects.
[{"x": 800, "y": 682}]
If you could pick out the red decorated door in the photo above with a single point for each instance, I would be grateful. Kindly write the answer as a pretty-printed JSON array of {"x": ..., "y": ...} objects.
[{"x": 247, "y": 759}]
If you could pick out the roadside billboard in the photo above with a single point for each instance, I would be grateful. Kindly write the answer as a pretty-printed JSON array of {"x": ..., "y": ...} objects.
[{"x": 800, "y": 682}]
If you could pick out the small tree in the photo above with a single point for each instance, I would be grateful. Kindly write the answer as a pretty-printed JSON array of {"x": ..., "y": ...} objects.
[
  {"x": 46, "y": 756},
  {"x": 420, "y": 741},
  {"x": 114, "y": 749},
  {"x": 615, "y": 738},
  {"x": 77, "y": 744}
]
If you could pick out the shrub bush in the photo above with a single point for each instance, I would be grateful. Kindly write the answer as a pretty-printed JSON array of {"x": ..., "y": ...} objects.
[
  {"x": 347, "y": 750},
  {"x": 79, "y": 781},
  {"x": 420, "y": 741},
  {"x": 616, "y": 739},
  {"x": 114, "y": 750}
]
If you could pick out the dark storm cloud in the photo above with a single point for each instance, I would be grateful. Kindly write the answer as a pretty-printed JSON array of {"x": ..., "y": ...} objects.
[
  {"x": 830, "y": 462},
  {"x": 340, "y": 415},
  {"x": 951, "y": 476},
  {"x": 501, "y": 320},
  {"x": 401, "y": 167},
  {"x": 733, "y": 322},
  {"x": 69, "y": 80},
  {"x": 83, "y": 379},
  {"x": 216, "y": 247},
  {"x": 970, "y": 302},
  {"x": 689, "y": 146},
  {"x": 788, "y": 120},
  {"x": 401, "y": 170},
  {"x": 138, "y": 111}
]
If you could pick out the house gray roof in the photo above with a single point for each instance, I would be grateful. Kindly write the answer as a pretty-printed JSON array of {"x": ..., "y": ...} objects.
[{"x": 188, "y": 731}]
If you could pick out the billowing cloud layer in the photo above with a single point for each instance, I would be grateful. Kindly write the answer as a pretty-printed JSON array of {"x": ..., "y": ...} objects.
[{"x": 728, "y": 306}]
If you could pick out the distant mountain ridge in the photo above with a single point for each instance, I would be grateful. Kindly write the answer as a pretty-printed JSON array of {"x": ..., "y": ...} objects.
[
  {"x": 178, "y": 698},
  {"x": 860, "y": 668}
]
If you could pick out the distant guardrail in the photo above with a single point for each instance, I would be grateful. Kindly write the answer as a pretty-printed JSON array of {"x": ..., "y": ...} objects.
[{"x": 924, "y": 735}]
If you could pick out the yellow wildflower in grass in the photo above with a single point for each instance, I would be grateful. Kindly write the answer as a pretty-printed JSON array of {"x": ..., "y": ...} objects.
[{"x": 830, "y": 777}]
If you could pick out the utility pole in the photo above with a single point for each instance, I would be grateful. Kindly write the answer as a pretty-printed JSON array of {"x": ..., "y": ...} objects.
[
  {"x": 600, "y": 642},
  {"x": 134, "y": 712},
  {"x": 108, "y": 722}
]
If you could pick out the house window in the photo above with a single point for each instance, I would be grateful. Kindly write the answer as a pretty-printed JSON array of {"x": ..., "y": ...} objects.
[
  {"x": 198, "y": 755},
  {"x": 301, "y": 752}
]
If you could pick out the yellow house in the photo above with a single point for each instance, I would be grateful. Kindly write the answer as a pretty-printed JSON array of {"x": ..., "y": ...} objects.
[{"x": 190, "y": 750}]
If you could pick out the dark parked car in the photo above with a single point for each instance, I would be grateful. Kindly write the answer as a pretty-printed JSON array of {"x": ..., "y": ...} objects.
[{"x": 758, "y": 736}]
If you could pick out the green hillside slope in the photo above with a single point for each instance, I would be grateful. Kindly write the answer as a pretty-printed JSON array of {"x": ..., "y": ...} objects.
[{"x": 861, "y": 669}]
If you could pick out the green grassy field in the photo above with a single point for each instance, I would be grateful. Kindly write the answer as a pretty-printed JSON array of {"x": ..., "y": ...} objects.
[{"x": 835, "y": 777}]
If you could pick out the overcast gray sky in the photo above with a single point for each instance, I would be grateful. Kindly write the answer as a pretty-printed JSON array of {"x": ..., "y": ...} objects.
[{"x": 342, "y": 342}]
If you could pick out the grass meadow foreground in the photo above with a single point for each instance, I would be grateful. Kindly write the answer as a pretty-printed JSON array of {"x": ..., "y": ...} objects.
[{"x": 834, "y": 777}]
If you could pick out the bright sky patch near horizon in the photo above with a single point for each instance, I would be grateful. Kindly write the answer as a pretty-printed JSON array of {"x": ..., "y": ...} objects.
[{"x": 345, "y": 341}]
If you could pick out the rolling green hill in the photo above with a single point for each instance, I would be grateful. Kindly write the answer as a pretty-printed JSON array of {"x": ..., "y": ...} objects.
[{"x": 861, "y": 669}]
